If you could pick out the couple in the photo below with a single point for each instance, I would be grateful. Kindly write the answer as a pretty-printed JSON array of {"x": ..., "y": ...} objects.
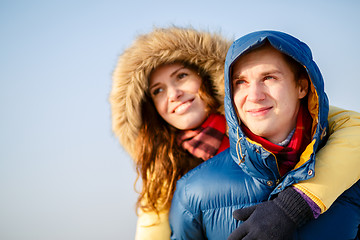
[{"x": 167, "y": 110}]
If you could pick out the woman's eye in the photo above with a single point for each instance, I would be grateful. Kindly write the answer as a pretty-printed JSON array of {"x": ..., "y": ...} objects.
[
  {"x": 156, "y": 91},
  {"x": 182, "y": 75}
]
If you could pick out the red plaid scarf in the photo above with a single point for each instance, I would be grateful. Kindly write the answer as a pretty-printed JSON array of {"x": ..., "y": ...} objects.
[
  {"x": 289, "y": 155},
  {"x": 207, "y": 140}
]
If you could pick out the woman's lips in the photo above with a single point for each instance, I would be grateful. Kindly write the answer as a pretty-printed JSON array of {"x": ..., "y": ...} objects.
[{"x": 183, "y": 107}]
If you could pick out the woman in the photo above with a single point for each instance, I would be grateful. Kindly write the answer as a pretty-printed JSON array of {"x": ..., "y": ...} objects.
[
  {"x": 160, "y": 162},
  {"x": 160, "y": 156}
]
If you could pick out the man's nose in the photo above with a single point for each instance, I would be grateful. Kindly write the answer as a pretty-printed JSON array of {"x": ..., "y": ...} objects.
[{"x": 256, "y": 92}]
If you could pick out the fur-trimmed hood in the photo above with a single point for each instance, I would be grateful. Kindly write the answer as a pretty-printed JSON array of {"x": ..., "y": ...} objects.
[{"x": 148, "y": 51}]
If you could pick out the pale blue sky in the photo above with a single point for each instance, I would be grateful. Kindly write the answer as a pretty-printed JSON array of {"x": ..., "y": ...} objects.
[{"x": 63, "y": 174}]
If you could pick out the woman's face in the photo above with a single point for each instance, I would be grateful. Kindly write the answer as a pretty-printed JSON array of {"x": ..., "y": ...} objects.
[{"x": 175, "y": 92}]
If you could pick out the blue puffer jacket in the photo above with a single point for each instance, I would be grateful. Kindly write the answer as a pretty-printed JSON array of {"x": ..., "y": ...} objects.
[{"x": 247, "y": 174}]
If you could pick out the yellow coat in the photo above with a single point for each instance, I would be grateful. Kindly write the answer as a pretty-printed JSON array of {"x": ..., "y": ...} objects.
[{"x": 337, "y": 168}]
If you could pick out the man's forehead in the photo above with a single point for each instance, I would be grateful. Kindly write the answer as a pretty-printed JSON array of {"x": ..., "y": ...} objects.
[{"x": 265, "y": 52}]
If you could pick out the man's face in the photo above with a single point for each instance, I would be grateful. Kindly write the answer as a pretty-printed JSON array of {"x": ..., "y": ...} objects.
[{"x": 265, "y": 93}]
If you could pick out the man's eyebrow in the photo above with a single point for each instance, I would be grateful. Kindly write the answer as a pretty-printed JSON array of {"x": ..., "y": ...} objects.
[
  {"x": 269, "y": 72},
  {"x": 235, "y": 75}
]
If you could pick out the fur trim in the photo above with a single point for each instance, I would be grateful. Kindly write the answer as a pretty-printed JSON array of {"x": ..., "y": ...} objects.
[{"x": 161, "y": 46}]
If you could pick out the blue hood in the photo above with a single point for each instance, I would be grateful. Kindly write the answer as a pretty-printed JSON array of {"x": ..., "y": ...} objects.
[{"x": 252, "y": 157}]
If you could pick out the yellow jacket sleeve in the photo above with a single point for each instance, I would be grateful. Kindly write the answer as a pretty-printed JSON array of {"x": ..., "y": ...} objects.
[
  {"x": 151, "y": 226},
  {"x": 337, "y": 164}
]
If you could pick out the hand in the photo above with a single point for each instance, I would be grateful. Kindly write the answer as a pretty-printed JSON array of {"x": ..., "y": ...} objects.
[
  {"x": 275, "y": 219},
  {"x": 265, "y": 221}
]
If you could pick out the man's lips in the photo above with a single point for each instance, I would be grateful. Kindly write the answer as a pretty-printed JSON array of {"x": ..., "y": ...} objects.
[
  {"x": 182, "y": 107},
  {"x": 259, "y": 111}
]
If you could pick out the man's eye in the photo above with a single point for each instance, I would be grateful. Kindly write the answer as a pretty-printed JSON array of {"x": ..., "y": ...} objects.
[
  {"x": 268, "y": 77},
  {"x": 238, "y": 82}
]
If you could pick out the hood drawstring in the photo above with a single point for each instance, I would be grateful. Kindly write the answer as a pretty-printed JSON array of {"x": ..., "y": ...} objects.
[
  {"x": 323, "y": 132},
  {"x": 238, "y": 147}
]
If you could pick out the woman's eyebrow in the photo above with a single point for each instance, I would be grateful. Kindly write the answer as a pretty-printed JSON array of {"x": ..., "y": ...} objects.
[
  {"x": 153, "y": 86},
  {"x": 171, "y": 75},
  {"x": 176, "y": 71}
]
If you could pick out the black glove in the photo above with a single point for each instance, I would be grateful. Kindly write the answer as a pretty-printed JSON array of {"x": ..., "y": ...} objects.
[{"x": 275, "y": 219}]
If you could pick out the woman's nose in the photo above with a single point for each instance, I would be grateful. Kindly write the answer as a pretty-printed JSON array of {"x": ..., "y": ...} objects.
[{"x": 174, "y": 93}]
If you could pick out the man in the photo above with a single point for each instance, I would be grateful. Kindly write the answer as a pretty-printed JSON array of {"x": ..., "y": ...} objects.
[{"x": 277, "y": 112}]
